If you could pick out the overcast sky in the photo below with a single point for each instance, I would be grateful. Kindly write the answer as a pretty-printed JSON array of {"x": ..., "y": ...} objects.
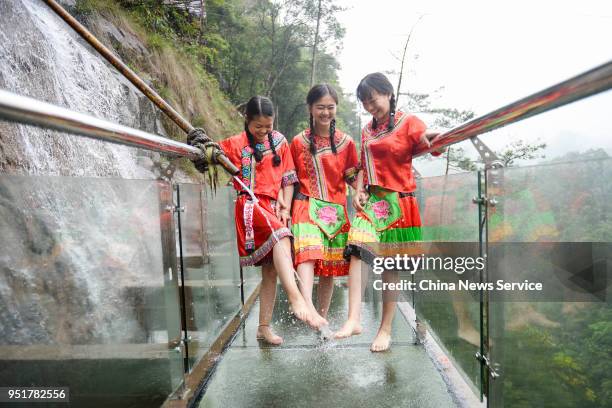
[{"x": 481, "y": 55}]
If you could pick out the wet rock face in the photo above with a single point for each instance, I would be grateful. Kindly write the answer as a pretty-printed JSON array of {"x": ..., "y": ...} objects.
[
  {"x": 77, "y": 255},
  {"x": 41, "y": 57},
  {"x": 78, "y": 258}
]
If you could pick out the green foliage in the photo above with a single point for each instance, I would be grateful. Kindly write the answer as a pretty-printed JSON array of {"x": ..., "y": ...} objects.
[
  {"x": 83, "y": 8},
  {"x": 165, "y": 20},
  {"x": 565, "y": 367},
  {"x": 520, "y": 150},
  {"x": 255, "y": 47},
  {"x": 269, "y": 53}
]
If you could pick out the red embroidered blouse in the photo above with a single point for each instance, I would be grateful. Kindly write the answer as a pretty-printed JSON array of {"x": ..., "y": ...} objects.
[
  {"x": 263, "y": 177},
  {"x": 324, "y": 175},
  {"x": 386, "y": 156}
]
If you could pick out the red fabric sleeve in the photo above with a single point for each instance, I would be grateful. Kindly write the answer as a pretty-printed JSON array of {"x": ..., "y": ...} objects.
[
  {"x": 231, "y": 151},
  {"x": 415, "y": 129},
  {"x": 351, "y": 159},
  {"x": 286, "y": 159},
  {"x": 289, "y": 174},
  {"x": 294, "y": 148}
]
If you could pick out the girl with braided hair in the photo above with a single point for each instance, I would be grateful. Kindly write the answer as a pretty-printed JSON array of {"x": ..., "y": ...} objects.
[
  {"x": 387, "y": 213},
  {"x": 266, "y": 167},
  {"x": 326, "y": 161}
]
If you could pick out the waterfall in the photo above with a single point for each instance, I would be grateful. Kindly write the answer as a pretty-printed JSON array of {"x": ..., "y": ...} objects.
[
  {"x": 80, "y": 257},
  {"x": 41, "y": 57}
]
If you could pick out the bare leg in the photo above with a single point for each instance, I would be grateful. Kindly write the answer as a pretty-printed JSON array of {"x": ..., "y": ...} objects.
[
  {"x": 267, "y": 296},
  {"x": 284, "y": 267},
  {"x": 382, "y": 341},
  {"x": 352, "y": 326},
  {"x": 525, "y": 314},
  {"x": 305, "y": 271},
  {"x": 324, "y": 293}
]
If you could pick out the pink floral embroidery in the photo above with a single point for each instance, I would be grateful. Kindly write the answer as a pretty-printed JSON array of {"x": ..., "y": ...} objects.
[
  {"x": 328, "y": 214},
  {"x": 381, "y": 209}
]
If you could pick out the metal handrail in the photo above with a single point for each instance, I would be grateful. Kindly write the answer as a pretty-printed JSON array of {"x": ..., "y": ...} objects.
[
  {"x": 589, "y": 83},
  {"x": 31, "y": 111},
  {"x": 27, "y": 110}
]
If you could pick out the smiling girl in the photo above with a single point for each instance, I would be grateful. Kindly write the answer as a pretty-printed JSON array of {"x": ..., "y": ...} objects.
[
  {"x": 326, "y": 161},
  {"x": 387, "y": 215},
  {"x": 266, "y": 167}
]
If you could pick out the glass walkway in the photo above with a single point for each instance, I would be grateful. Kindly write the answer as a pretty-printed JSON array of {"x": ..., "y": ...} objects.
[{"x": 308, "y": 372}]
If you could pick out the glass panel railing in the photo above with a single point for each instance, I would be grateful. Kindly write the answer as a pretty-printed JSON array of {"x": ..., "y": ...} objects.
[
  {"x": 252, "y": 278},
  {"x": 450, "y": 230},
  {"x": 214, "y": 284},
  {"x": 88, "y": 290},
  {"x": 552, "y": 225},
  {"x": 199, "y": 320}
]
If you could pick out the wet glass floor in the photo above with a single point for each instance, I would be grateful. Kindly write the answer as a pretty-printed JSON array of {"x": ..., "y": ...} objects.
[{"x": 305, "y": 372}]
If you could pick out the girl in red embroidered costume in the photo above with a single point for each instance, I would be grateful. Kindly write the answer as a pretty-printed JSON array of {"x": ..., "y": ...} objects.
[
  {"x": 387, "y": 215},
  {"x": 325, "y": 159},
  {"x": 266, "y": 167}
]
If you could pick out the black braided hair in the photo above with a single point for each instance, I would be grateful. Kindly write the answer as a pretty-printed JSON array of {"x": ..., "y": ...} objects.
[
  {"x": 317, "y": 92},
  {"x": 311, "y": 137},
  {"x": 377, "y": 82},
  {"x": 276, "y": 161},
  {"x": 391, "y": 113},
  {"x": 332, "y": 134},
  {"x": 256, "y": 152},
  {"x": 260, "y": 106}
]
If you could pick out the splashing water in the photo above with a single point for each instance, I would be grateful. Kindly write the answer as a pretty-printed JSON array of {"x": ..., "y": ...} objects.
[{"x": 325, "y": 333}]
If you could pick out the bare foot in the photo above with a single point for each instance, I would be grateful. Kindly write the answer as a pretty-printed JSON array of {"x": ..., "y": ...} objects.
[
  {"x": 303, "y": 312},
  {"x": 381, "y": 342},
  {"x": 319, "y": 321},
  {"x": 265, "y": 333},
  {"x": 350, "y": 328}
]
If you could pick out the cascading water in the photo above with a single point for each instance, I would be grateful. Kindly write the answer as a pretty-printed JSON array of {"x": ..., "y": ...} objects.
[
  {"x": 79, "y": 257},
  {"x": 41, "y": 57}
]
